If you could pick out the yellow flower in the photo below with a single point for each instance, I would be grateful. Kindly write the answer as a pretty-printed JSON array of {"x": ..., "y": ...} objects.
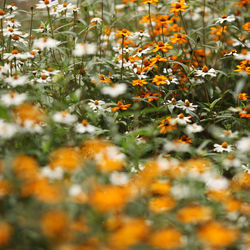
[
  {"x": 160, "y": 80},
  {"x": 139, "y": 82},
  {"x": 179, "y": 6},
  {"x": 154, "y": 2}
]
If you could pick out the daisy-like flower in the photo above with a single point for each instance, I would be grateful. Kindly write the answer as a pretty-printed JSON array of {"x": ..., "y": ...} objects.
[
  {"x": 84, "y": 127},
  {"x": 180, "y": 6},
  {"x": 193, "y": 128},
  {"x": 84, "y": 49},
  {"x": 4, "y": 15},
  {"x": 12, "y": 23},
  {"x": 224, "y": 147},
  {"x": 75, "y": 190},
  {"x": 243, "y": 145},
  {"x": 16, "y": 80},
  {"x": 44, "y": 78},
  {"x": 139, "y": 82},
  {"x": 154, "y": 2},
  {"x": 206, "y": 72},
  {"x": 64, "y": 117},
  {"x": 225, "y": 18},
  {"x": 115, "y": 90},
  {"x": 160, "y": 80},
  {"x": 96, "y": 105},
  {"x": 123, "y": 33},
  {"x": 121, "y": 106},
  {"x": 140, "y": 34},
  {"x": 96, "y": 20},
  {"x": 7, "y": 130},
  {"x": 119, "y": 178},
  {"x": 44, "y": 4},
  {"x": 45, "y": 43},
  {"x": 4, "y": 70},
  {"x": 233, "y": 52},
  {"x": 231, "y": 161},
  {"x": 53, "y": 174},
  {"x": 177, "y": 146},
  {"x": 13, "y": 98},
  {"x": 187, "y": 106},
  {"x": 181, "y": 119},
  {"x": 162, "y": 47},
  {"x": 214, "y": 182}
]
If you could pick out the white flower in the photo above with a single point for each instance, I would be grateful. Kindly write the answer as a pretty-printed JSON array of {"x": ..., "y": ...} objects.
[
  {"x": 224, "y": 147},
  {"x": 193, "y": 128},
  {"x": 54, "y": 174},
  {"x": 64, "y": 117},
  {"x": 243, "y": 144},
  {"x": 75, "y": 190},
  {"x": 181, "y": 119},
  {"x": 205, "y": 72},
  {"x": 16, "y": 80},
  {"x": 84, "y": 127},
  {"x": 97, "y": 105},
  {"x": 187, "y": 106},
  {"x": 45, "y": 43},
  {"x": 214, "y": 182},
  {"x": 176, "y": 146},
  {"x": 7, "y": 130},
  {"x": 4, "y": 70},
  {"x": 115, "y": 90},
  {"x": 119, "y": 178},
  {"x": 96, "y": 20},
  {"x": 30, "y": 126},
  {"x": 12, "y": 23},
  {"x": 228, "y": 134},
  {"x": 140, "y": 34},
  {"x": 173, "y": 104},
  {"x": 46, "y": 4},
  {"x": 181, "y": 191},
  {"x": 232, "y": 53},
  {"x": 226, "y": 18},
  {"x": 245, "y": 56},
  {"x": 231, "y": 161},
  {"x": 13, "y": 98},
  {"x": 84, "y": 49}
]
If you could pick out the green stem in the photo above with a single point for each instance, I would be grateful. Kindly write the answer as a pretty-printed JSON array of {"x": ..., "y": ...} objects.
[
  {"x": 122, "y": 57},
  {"x": 50, "y": 22},
  {"x": 31, "y": 22}
]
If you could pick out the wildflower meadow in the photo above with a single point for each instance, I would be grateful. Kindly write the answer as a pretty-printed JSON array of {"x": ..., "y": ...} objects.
[{"x": 124, "y": 125}]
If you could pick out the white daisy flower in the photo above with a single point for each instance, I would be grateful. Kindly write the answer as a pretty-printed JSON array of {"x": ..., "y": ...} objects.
[
  {"x": 119, "y": 178},
  {"x": 206, "y": 72},
  {"x": 194, "y": 128},
  {"x": 7, "y": 130},
  {"x": 12, "y": 23},
  {"x": 84, "y": 49},
  {"x": 214, "y": 182},
  {"x": 64, "y": 117},
  {"x": 84, "y": 127},
  {"x": 224, "y": 147},
  {"x": 16, "y": 80},
  {"x": 231, "y": 161},
  {"x": 44, "y": 4},
  {"x": 225, "y": 18},
  {"x": 140, "y": 34},
  {"x": 115, "y": 90},
  {"x": 243, "y": 145},
  {"x": 173, "y": 103},
  {"x": 181, "y": 119},
  {"x": 96, "y": 20},
  {"x": 97, "y": 105},
  {"x": 75, "y": 190},
  {"x": 187, "y": 106},
  {"x": 13, "y": 98},
  {"x": 176, "y": 146},
  {"x": 45, "y": 43},
  {"x": 53, "y": 174},
  {"x": 5, "y": 69}
]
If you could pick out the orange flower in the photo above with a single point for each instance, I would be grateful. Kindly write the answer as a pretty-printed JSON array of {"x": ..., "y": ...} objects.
[
  {"x": 157, "y": 59},
  {"x": 149, "y": 95},
  {"x": 194, "y": 214},
  {"x": 122, "y": 33},
  {"x": 217, "y": 235},
  {"x": 160, "y": 187},
  {"x": 161, "y": 204},
  {"x": 179, "y": 6},
  {"x": 103, "y": 79},
  {"x": 185, "y": 139},
  {"x": 29, "y": 113},
  {"x": 130, "y": 232},
  {"x": 165, "y": 125},
  {"x": 166, "y": 239},
  {"x": 5, "y": 188},
  {"x": 5, "y": 233},
  {"x": 243, "y": 96},
  {"x": 108, "y": 198},
  {"x": 245, "y": 113},
  {"x": 54, "y": 224},
  {"x": 160, "y": 80},
  {"x": 154, "y": 2},
  {"x": 178, "y": 38},
  {"x": 218, "y": 31},
  {"x": 121, "y": 106},
  {"x": 26, "y": 167},
  {"x": 66, "y": 157},
  {"x": 161, "y": 46},
  {"x": 246, "y": 26},
  {"x": 244, "y": 66},
  {"x": 139, "y": 82}
]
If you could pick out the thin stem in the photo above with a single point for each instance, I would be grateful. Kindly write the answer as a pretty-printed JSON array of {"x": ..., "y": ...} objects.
[
  {"x": 50, "y": 22},
  {"x": 150, "y": 21},
  {"x": 31, "y": 22},
  {"x": 162, "y": 31},
  {"x": 102, "y": 10},
  {"x": 2, "y": 35},
  {"x": 122, "y": 57},
  {"x": 204, "y": 31},
  {"x": 4, "y": 4}
]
